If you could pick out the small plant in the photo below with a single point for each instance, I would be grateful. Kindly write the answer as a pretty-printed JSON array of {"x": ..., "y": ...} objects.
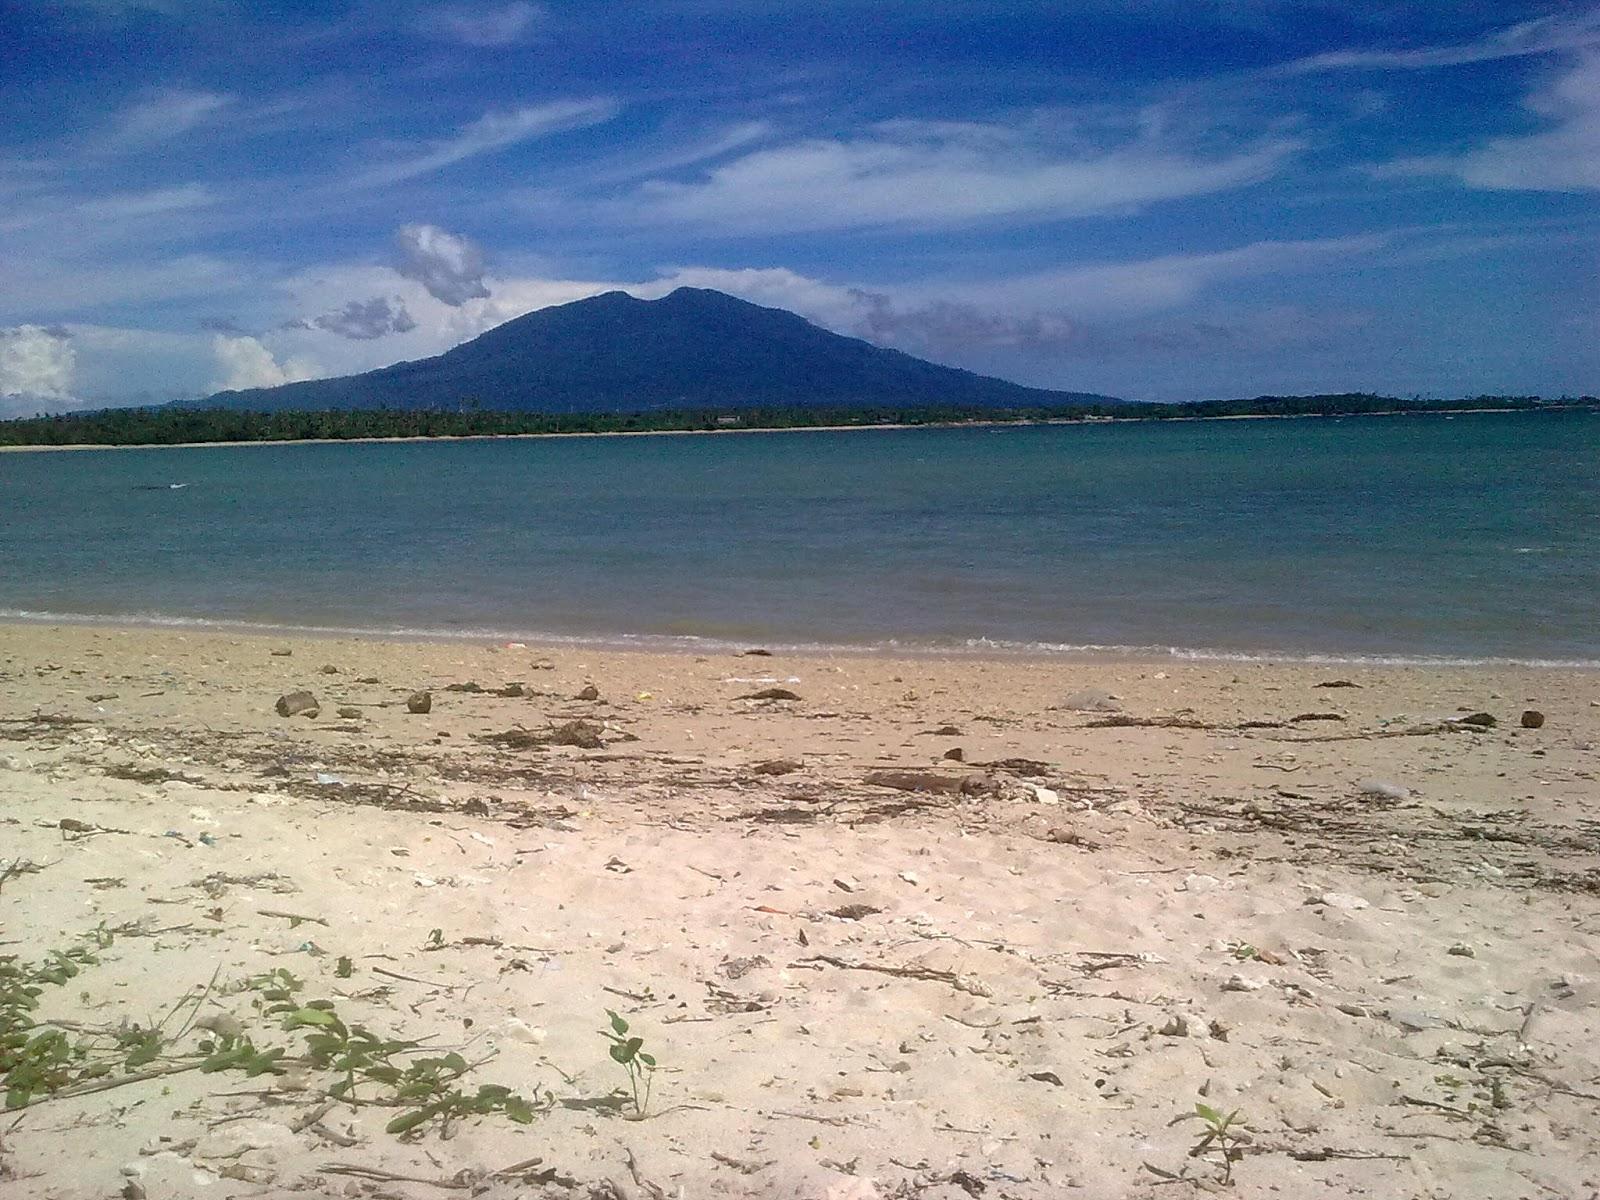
[
  {"x": 629, "y": 1053},
  {"x": 1223, "y": 1132}
]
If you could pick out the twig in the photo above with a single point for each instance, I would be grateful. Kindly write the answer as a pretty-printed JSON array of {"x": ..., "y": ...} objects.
[
  {"x": 378, "y": 1175},
  {"x": 800, "y": 1116},
  {"x": 387, "y": 974},
  {"x": 105, "y": 1085},
  {"x": 960, "y": 983},
  {"x": 293, "y": 918}
]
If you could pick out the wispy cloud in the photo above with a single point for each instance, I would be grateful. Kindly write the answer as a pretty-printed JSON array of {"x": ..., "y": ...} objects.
[
  {"x": 1543, "y": 36},
  {"x": 908, "y": 173},
  {"x": 490, "y": 133},
  {"x": 481, "y": 25},
  {"x": 162, "y": 115},
  {"x": 1562, "y": 158},
  {"x": 160, "y": 202}
]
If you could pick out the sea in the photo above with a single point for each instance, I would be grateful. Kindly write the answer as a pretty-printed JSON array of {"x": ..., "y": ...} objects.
[{"x": 1424, "y": 538}]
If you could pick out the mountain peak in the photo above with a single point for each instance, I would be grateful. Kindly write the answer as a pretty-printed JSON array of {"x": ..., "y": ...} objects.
[{"x": 692, "y": 348}]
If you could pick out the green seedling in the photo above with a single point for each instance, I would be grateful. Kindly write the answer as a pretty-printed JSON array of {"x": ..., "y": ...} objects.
[
  {"x": 629, "y": 1053},
  {"x": 1223, "y": 1135}
]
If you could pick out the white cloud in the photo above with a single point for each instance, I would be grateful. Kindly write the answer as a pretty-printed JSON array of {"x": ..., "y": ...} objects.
[
  {"x": 36, "y": 370},
  {"x": 160, "y": 202},
  {"x": 449, "y": 266},
  {"x": 1565, "y": 158},
  {"x": 482, "y": 25},
  {"x": 163, "y": 115},
  {"x": 1542, "y": 36},
  {"x": 246, "y": 363},
  {"x": 921, "y": 174},
  {"x": 491, "y": 132}
]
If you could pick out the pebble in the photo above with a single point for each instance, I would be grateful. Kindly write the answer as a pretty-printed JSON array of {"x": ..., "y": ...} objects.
[{"x": 1339, "y": 900}]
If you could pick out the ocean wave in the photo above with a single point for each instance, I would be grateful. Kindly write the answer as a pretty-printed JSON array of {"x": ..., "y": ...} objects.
[{"x": 979, "y": 647}]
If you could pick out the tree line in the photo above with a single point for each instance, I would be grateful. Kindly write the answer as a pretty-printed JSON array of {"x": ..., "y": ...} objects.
[{"x": 172, "y": 425}]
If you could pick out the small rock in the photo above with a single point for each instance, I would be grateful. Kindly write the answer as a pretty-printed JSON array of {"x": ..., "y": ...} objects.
[
  {"x": 1462, "y": 950},
  {"x": 583, "y": 734},
  {"x": 368, "y": 679},
  {"x": 298, "y": 704},
  {"x": 282, "y": 653},
  {"x": 1382, "y": 789},
  {"x": 776, "y": 766},
  {"x": 757, "y": 652},
  {"x": 1238, "y": 983},
  {"x": 329, "y": 669},
  {"x": 349, "y": 711},
  {"x": 1482, "y": 720},
  {"x": 1200, "y": 883},
  {"x": 1092, "y": 700},
  {"x": 521, "y": 1031},
  {"x": 771, "y": 693},
  {"x": 1340, "y": 900},
  {"x": 419, "y": 702},
  {"x": 589, "y": 693},
  {"x": 1177, "y": 1026},
  {"x": 956, "y": 754},
  {"x": 1533, "y": 719}
]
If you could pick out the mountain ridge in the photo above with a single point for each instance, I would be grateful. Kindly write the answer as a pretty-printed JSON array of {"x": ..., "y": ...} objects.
[{"x": 692, "y": 348}]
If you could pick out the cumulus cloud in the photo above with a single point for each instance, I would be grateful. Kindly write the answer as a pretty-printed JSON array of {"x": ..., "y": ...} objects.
[
  {"x": 246, "y": 363},
  {"x": 450, "y": 267},
  {"x": 492, "y": 132},
  {"x": 36, "y": 370},
  {"x": 363, "y": 320},
  {"x": 481, "y": 25},
  {"x": 939, "y": 173}
]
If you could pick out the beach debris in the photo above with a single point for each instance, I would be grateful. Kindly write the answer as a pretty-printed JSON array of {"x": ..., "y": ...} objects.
[
  {"x": 583, "y": 734},
  {"x": 1062, "y": 836},
  {"x": 1092, "y": 700},
  {"x": 737, "y": 968},
  {"x": 1482, "y": 720},
  {"x": 349, "y": 711},
  {"x": 771, "y": 693},
  {"x": 1533, "y": 719},
  {"x": 1242, "y": 983},
  {"x": 974, "y": 784},
  {"x": 854, "y": 912},
  {"x": 300, "y": 703},
  {"x": 961, "y": 983},
  {"x": 589, "y": 693},
  {"x": 1382, "y": 789},
  {"x": 757, "y": 652},
  {"x": 1316, "y": 716},
  {"x": 1340, "y": 900},
  {"x": 368, "y": 679},
  {"x": 285, "y": 653},
  {"x": 777, "y": 766},
  {"x": 1337, "y": 683},
  {"x": 419, "y": 702}
]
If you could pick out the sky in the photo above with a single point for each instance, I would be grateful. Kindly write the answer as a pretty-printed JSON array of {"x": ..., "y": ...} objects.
[{"x": 1156, "y": 199}]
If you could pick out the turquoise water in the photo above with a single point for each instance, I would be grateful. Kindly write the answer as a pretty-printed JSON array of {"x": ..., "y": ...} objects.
[{"x": 1465, "y": 538}]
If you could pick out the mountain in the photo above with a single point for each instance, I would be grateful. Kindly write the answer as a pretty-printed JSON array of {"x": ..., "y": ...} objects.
[{"x": 692, "y": 349}]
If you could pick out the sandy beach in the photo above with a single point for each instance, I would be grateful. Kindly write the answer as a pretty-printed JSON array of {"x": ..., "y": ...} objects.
[{"x": 912, "y": 927}]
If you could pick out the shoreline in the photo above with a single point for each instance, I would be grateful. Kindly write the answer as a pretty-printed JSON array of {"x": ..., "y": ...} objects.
[
  {"x": 627, "y": 433},
  {"x": 688, "y": 645}
]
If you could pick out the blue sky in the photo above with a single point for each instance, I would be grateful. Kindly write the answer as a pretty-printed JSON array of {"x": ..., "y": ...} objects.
[{"x": 1170, "y": 199}]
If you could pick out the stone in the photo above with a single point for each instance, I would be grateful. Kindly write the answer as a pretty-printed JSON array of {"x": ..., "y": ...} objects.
[
  {"x": 1092, "y": 700},
  {"x": 1533, "y": 719},
  {"x": 349, "y": 711},
  {"x": 585, "y": 735},
  {"x": 298, "y": 704},
  {"x": 1340, "y": 900},
  {"x": 777, "y": 766},
  {"x": 956, "y": 754},
  {"x": 329, "y": 669},
  {"x": 419, "y": 702},
  {"x": 1482, "y": 720},
  {"x": 589, "y": 693}
]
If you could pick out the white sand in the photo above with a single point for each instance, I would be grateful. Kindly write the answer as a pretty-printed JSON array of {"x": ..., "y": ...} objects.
[{"x": 1095, "y": 957}]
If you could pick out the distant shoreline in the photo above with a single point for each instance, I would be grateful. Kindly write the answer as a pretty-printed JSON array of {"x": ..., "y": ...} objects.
[{"x": 750, "y": 429}]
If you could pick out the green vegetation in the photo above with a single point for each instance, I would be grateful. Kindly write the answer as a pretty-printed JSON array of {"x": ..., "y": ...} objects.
[
  {"x": 1223, "y": 1135},
  {"x": 173, "y": 425},
  {"x": 629, "y": 1053}
]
